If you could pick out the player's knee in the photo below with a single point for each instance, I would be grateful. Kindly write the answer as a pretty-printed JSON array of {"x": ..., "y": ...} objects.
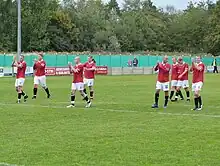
[
  {"x": 16, "y": 88},
  {"x": 35, "y": 86},
  {"x": 157, "y": 91}
]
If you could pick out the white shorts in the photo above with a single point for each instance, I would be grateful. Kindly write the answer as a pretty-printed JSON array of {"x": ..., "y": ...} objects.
[
  {"x": 174, "y": 83},
  {"x": 88, "y": 82},
  {"x": 19, "y": 82},
  {"x": 197, "y": 86},
  {"x": 41, "y": 80},
  {"x": 163, "y": 86},
  {"x": 184, "y": 84},
  {"x": 77, "y": 86}
]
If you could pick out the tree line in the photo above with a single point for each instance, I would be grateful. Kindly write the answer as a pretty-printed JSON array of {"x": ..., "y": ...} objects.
[{"x": 91, "y": 25}]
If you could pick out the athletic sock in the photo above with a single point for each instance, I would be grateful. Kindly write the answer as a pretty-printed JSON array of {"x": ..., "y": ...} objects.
[
  {"x": 171, "y": 94},
  {"x": 187, "y": 94},
  {"x": 19, "y": 97},
  {"x": 177, "y": 94},
  {"x": 23, "y": 93},
  {"x": 200, "y": 101},
  {"x": 84, "y": 90},
  {"x": 181, "y": 95},
  {"x": 35, "y": 92},
  {"x": 156, "y": 98},
  {"x": 47, "y": 91},
  {"x": 196, "y": 102},
  {"x": 166, "y": 100},
  {"x": 73, "y": 99},
  {"x": 91, "y": 94}
]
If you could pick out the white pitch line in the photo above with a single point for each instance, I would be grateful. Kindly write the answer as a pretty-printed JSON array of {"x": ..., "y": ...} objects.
[
  {"x": 7, "y": 164},
  {"x": 122, "y": 111}
]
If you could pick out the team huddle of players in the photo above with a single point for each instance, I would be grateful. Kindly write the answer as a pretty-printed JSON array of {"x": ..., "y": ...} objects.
[
  {"x": 83, "y": 75},
  {"x": 179, "y": 79}
]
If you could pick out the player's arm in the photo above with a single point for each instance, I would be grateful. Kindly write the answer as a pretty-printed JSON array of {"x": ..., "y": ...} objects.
[
  {"x": 72, "y": 69},
  {"x": 197, "y": 67},
  {"x": 93, "y": 68},
  {"x": 157, "y": 66},
  {"x": 185, "y": 71},
  {"x": 165, "y": 68}
]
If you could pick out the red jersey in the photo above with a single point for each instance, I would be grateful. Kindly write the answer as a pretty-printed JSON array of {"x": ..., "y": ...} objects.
[
  {"x": 164, "y": 70},
  {"x": 89, "y": 74},
  {"x": 21, "y": 70},
  {"x": 198, "y": 75},
  {"x": 181, "y": 68},
  {"x": 78, "y": 76},
  {"x": 39, "y": 68},
  {"x": 174, "y": 74}
]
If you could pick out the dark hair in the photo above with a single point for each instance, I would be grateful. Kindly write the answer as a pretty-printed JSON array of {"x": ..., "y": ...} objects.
[{"x": 94, "y": 60}]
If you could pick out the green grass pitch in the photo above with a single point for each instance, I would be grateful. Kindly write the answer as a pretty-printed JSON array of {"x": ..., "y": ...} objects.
[{"x": 119, "y": 130}]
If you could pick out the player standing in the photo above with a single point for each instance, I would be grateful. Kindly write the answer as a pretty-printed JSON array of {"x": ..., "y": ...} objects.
[
  {"x": 183, "y": 82},
  {"x": 20, "y": 77},
  {"x": 77, "y": 84},
  {"x": 198, "y": 69},
  {"x": 174, "y": 78},
  {"x": 89, "y": 74},
  {"x": 162, "y": 81},
  {"x": 40, "y": 76}
]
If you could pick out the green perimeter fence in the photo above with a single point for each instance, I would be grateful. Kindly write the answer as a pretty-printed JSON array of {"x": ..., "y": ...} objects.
[{"x": 59, "y": 60}]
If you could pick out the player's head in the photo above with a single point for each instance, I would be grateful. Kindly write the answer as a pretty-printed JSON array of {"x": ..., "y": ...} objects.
[
  {"x": 174, "y": 60},
  {"x": 22, "y": 58},
  {"x": 77, "y": 60},
  {"x": 180, "y": 60},
  {"x": 90, "y": 58},
  {"x": 198, "y": 59},
  {"x": 165, "y": 59},
  {"x": 93, "y": 60},
  {"x": 40, "y": 56}
]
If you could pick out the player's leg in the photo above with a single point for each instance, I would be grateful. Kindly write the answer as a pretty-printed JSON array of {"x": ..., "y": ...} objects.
[
  {"x": 166, "y": 92},
  {"x": 18, "y": 90},
  {"x": 196, "y": 87},
  {"x": 85, "y": 84},
  {"x": 173, "y": 89},
  {"x": 179, "y": 93},
  {"x": 186, "y": 87},
  {"x": 157, "y": 94},
  {"x": 84, "y": 95},
  {"x": 44, "y": 85},
  {"x": 36, "y": 83},
  {"x": 22, "y": 91},
  {"x": 72, "y": 97},
  {"x": 91, "y": 89}
]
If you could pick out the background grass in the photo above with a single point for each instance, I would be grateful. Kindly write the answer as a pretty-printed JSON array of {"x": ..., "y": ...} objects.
[{"x": 120, "y": 129}]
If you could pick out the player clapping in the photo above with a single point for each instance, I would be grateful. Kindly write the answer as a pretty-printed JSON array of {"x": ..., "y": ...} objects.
[
  {"x": 20, "y": 77},
  {"x": 162, "y": 81},
  {"x": 40, "y": 76},
  {"x": 89, "y": 75},
  {"x": 198, "y": 69},
  {"x": 174, "y": 78},
  {"x": 183, "y": 82},
  {"x": 77, "y": 84}
]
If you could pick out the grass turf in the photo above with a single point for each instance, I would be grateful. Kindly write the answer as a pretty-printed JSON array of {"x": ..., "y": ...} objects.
[{"x": 120, "y": 129}]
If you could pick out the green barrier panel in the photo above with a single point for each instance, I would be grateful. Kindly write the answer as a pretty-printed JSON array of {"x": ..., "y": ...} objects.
[
  {"x": 2, "y": 60},
  {"x": 101, "y": 60},
  {"x": 51, "y": 61},
  {"x": 105, "y": 60}
]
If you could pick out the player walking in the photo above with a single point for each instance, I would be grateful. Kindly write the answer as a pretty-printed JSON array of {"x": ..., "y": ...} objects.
[
  {"x": 77, "y": 84},
  {"x": 162, "y": 81},
  {"x": 40, "y": 76},
  {"x": 20, "y": 77},
  {"x": 89, "y": 74},
  {"x": 183, "y": 82},
  {"x": 198, "y": 69}
]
